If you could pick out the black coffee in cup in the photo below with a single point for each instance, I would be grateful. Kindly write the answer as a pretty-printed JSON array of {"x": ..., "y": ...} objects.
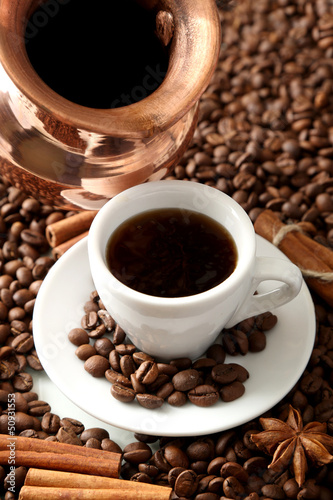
[{"x": 171, "y": 253}]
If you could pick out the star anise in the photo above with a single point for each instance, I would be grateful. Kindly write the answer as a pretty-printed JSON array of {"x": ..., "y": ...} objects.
[{"x": 292, "y": 443}]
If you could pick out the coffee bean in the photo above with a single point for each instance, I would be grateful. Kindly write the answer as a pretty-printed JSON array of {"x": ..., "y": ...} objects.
[
  {"x": 177, "y": 398},
  {"x": 22, "y": 296},
  {"x": 106, "y": 319},
  {"x": 186, "y": 483},
  {"x": 176, "y": 457},
  {"x": 125, "y": 349},
  {"x": 94, "y": 432},
  {"x": 167, "y": 369},
  {"x": 224, "y": 373},
  {"x": 50, "y": 423},
  {"x": 68, "y": 436},
  {"x": 311, "y": 384},
  {"x": 108, "y": 444},
  {"x": 85, "y": 351},
  {"x": 33, "y": 238},
  {"x": 74, "y": 425},
  {"x": 255, "y": 465},
  {"x": 117, "y": 378},
  {"x": 140, "y": 357},
  {"x": 78, "y": 336},
  {"x": 204, "y": 364},
  {"x": 257, "y": 341},
  {"x": 147, "y": 372},
  {"x": 103, "y": 346},
  {"x": 22, "y": 382},
  {"x": 23, "y": 343},
  {"x": 127, "y": 365},
  {"x": 217, "y": 353},
  {"x": 89, "y": 306},
  {"x": 149, "y": 401},
  {"x": 89, "y": 320},
  {"x": 203, "y": 395},
  {"x": 242, "y": 373},
  {"x": 185, "y": 380},
  {"x": 173, "y": 474},
  {"x": 136, "y": 453},
  {"x": 273, "y": 491},
  {"x": 122, "y": 393},
  {"x": 232, "y": 488},
  {"x": 38, "y": 408},
  {"x": 266, "y": 321},
  {"x": 96, "y": 365},
  {"x": 114, "y": 359},
  {"x": 119, "y": 335},
  {"x": 201, "y": 449},
  {"x": 165, "y": 390},
  {"x": 97, "y": 332},
  {"x": 161, "y": 379},
  {"x": 232, "y": 391},
  {"x": 181, "y": 363}
]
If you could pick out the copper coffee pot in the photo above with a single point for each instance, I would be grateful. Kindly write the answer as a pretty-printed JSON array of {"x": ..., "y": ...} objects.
[{"x": 76, "y": 157}]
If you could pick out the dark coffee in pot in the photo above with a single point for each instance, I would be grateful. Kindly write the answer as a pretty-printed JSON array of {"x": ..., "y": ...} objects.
[
  {"x": 171, "y": 253},
  {"x": 100, "y": 54}
]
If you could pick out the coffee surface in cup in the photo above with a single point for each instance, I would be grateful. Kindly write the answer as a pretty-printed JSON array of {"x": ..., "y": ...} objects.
[{"x": 171, "y": 253}]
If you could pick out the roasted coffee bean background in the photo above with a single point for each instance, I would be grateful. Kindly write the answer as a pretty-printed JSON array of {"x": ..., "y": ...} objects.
[{"x": 265, "y": 137}]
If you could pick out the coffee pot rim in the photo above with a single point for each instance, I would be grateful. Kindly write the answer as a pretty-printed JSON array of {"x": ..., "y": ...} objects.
[{"x": 194, "y": 51}]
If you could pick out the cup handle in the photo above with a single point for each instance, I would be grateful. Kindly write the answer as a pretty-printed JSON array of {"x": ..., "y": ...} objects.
[{"x": 268, "y": 268}]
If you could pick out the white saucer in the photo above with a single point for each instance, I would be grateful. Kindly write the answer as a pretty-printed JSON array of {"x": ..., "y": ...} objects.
[{"x": 273, "y": 372}]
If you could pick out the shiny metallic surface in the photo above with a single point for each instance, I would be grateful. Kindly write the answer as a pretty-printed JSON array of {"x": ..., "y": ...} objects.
[{"x": 75, "y": 157}]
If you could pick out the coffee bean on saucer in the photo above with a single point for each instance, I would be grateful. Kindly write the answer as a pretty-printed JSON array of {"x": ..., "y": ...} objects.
[
  {"x": 224, "y": 373},
  {"x": 203, "y": 395},
  {"x": 232, "y": 391},
  {"x": 257, "y": 341},
  {"x": 147, "y": 372},
  {"x": 122, "y": 393},
  {"x": 78, "y": 336},
  {"x": 96, "y": 365},
  {"x": 185, "y": 380},
  {"x": 117, "y": 378},
  {"x": 149, "y": 401},
  {"x": 85, "y": 351},
  {"x": 242, "y": 373},
  {"x": 177, "y": 398},
  {"x": 103, "y": 346}
]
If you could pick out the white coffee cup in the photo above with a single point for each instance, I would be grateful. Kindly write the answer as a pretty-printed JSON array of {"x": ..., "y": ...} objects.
[{"x": 169, "y": 328}]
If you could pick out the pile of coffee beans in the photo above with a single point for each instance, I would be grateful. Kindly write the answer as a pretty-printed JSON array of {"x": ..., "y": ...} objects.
[
  {"x": 265, "y": 130},
  {"x": 101, "y": 344},
  {"x": 265, "y": 138}
]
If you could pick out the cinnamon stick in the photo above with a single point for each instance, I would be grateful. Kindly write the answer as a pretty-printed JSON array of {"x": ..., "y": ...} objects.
[
  {"x": 69, "y": 227},
  {"x": 61, "y": 462},
  {"x": 55, "y": 479},
  {"x": 41, "y": 445},
  {"x": 44, "y": 454},
  {"x": 59, "y": 250},
  {"x": 45, "y": 493},
  {"x": 303, "y": 251}
]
